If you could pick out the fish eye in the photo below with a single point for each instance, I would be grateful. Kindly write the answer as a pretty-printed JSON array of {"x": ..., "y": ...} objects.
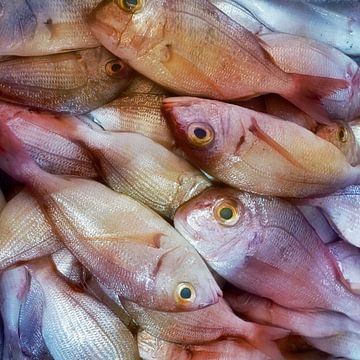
[
  {"x": 114, "y": 68},
  {"x": 226, "y": 213},
  {"x": 185, "y": 294},
  {"x": 342, "y": 134},
  {"x": 200, "y": 134},
  {"x": 131, "y": 6}
]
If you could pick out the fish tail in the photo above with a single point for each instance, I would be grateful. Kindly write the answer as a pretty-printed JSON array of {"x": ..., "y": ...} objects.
[
  {"x": 14, "y": 159},
  {"x": 307, "y": 91},
  {"x": 263, "y": 338}
]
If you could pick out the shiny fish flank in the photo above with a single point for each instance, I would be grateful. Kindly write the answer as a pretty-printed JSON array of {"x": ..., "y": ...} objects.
[
  {"x": 75, "y": 82},
  {"x": 106, "y": 237},
  {"x": 193, "y": 48},
  {"x": 76, "y": 326},
  {"x": 35, "y": 27},
  {"x": 242, "y": 148}
]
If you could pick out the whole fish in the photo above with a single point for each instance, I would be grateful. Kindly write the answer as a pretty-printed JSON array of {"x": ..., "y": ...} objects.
[
  {"x": 240, "y": 15},
  {"x": 193, "y": 48},
  {"x": 258, "y": 244},
  {"x": 295, "y": 54},
  {"x": 257, "y": 152},
  {"x": 152, "y": 348},
  {"x": 309, "y": 20},
  {"x": 73, "y": 324},
  {"x": 35, "y": 27},
  {"x": 129, "y": 163},
  {"x": 343, "y": 137},
  {"x": 75, "y": 82},
  {"x": 317, "y": 324},
  {"x": 341, "y": 208},
  {"x": 101, "y": 228},
  {"x": 348, "y": 259},
  {"x": 202, "y": 326},
  {"x": 136, "y": 110}
]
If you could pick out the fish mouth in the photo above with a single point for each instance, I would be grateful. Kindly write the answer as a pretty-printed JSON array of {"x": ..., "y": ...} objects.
[{"x": 172, "y": 102}]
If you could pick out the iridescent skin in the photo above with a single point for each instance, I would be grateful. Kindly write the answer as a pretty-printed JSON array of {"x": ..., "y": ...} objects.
[
  {"x": 100, "y": 227},
  {"x": 257, "y": 152},
  {"x": 270, "y": 251},
  {"x": 75, "y": 82},
  {"x": 36, "y": 27}
]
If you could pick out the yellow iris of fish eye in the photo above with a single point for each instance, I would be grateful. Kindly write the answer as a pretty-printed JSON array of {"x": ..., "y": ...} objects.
[
  {"x": 132, "y": 6},
  {"x": 113, "y": 68},
  {"x": 185, "y": 294},
  {"x": 342, "y": 134},
  {"x": 200, "y": 134},
  {"x": 227, "y": 213}
]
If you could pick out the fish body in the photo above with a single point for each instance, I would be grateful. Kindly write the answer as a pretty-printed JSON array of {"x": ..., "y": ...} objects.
[
  {"x": 35, "y": 27},
  {"x": 242, "y": 148},
  {"x": 152, "y": 348},
  {"x": 295, "y": 54},
  {"x": 193, "y": 48},
  {"x": 75, "y": 82},
  {"x": 257, "y": 243},
  {"x": 311, "y": 20}
]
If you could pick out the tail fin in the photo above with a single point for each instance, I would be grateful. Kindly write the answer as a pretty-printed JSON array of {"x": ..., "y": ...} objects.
[
  {"x": 263, "y": 339},
  {"x": 14, "y": 160},
  {"x": 308, "y": 91}
]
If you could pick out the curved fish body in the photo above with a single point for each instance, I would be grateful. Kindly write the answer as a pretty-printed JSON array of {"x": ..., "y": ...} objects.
[
  {"x": 73, "y": 324},
  {"x": 193, "y": 48},
  {"x": 341, "y": 208},
  {"x": 35, "y": 27},
  {"x": 129, "y": 163},
  {"x": 240, "y": 15},
  {"x": 295, "y": 54},
  {"x": 152, "y": 348},
  {"x": 317, "y": 324},
  {"x": 348, "y": 259},
  {"x": 198, "y": 327},
  {"x": 258, "y": 243},
  {"x": 310, "y": 20},
  {"x": 137, "y": 110},
  {"x": 256, "y": 152},
  {"x": 148, "y": 264},
  {"x": 75, "y": 82}
]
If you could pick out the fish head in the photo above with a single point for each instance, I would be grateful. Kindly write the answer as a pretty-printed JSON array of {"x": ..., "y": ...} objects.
[
  {"x": 205, "y": 130},
  {"x": 183, "y": 281},
  {"x": 220, "y": 223},
  {"x": 128, "y": 27},
  {"x": 341, "y": 135}
]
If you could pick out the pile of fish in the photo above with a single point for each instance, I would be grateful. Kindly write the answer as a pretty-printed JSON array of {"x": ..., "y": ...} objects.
[{"x": 179, "y": 180}]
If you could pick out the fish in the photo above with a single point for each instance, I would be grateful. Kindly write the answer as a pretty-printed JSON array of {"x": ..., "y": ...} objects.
[
  {"x": 315, "y": 324},
  {"x": 202, "y": 326},
  {"x": 343, "y": 137},
  {"x": 75, "y": 82},
  {"x": 348, "y": 259},
  {"x": 129, "y": 163},
  {"x": 152, "y": 348},
  {"x": 136, "y": 110},
  {"x": 341, "y": 209},
  {"x": 240, "y": 15},
  {"x": 256, "y": 243},
  {"x": 100, "y": 228},
  {"x": 296, "y": 54},
  {"x": 195, "y": 49},
  {"x": 99, "y": 334},
  {"x": 309, "y": 20},
  {"x": 242, "y": 148},
  {"x": 35, "y": 28}
]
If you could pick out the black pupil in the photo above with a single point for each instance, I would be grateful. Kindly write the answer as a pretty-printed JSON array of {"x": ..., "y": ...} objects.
[
  {"x": 226, "y": 213},
  {"x": 341, "y": 134},
  {"x": 185, "y": 293},
  {"x": 131, "y": 3},
  {"x": 200, "y": 133},
  {"x": 115, "y": 67}
]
